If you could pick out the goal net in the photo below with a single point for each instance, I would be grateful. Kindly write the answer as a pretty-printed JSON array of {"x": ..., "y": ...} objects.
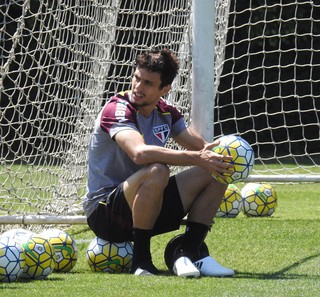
[
  {"x": 61, "y": 61},
  {"x": 269, "y": 89}
]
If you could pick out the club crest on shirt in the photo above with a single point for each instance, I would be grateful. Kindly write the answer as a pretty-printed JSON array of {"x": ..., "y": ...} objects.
[{"x": 161, "y": 132}]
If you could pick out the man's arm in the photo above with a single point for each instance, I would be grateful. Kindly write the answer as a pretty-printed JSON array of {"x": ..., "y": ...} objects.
[
  {"x": 133, "y": 144},
  {"x": 190, "y": 139}
]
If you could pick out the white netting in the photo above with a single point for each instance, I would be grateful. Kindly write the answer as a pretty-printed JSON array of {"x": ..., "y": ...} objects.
[
  {"x": 269, "y": 89},
  {"x": 61, "y": 60}
]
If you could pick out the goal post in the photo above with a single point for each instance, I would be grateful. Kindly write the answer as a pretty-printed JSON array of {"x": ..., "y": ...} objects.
[
  {"x": 203, "y": 74},
  {"x": 209, "y": 32},
  {"x": 247, "y": 67}
]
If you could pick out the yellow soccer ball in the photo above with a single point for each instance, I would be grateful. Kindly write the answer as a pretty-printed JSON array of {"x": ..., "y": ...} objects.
[
  {"x": 258, "y": 199},
  {"x": 65, "y": 249},
  {"x": 242, "y": 158},
  {"x": 230, "y": 205},
  {"x": 40, "y": 257},
  {"x": 112, "y": 257}
]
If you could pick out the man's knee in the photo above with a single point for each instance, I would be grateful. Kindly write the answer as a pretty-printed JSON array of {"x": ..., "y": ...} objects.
[{"x": 159, "y": 173}]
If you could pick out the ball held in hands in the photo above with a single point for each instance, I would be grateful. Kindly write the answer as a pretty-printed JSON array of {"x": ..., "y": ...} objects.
[{"x": 242, "y": 158}]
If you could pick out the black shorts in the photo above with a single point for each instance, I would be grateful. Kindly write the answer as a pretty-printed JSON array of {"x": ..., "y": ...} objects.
[{"x": 112, "y": 219}]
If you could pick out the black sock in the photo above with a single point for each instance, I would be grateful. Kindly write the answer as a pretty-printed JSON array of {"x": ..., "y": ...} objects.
[
  {"x": 141, "y": 246},
  {"x": 193, "y": 238}
]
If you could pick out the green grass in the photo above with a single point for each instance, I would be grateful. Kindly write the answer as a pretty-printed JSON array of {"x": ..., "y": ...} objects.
[{"x": 275, "y": 256}]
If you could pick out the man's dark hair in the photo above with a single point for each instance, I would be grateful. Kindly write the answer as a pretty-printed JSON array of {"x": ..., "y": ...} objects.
[{"x": 162, "y": 61}]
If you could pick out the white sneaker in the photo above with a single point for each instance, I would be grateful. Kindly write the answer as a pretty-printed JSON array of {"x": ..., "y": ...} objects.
[
  {"x": 183, "y": 267},
  {"x": 210, "y": 267},
  {"x": 142, "y": 272}
]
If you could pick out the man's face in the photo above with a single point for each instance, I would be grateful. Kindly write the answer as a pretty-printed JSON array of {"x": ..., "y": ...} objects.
[{"x": 146, "y": 88}]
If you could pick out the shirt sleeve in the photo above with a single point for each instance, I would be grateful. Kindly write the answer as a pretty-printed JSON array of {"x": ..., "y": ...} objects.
[
  {"x": 178, "y": 127},
  {"x": 117, "y": 115},
  {"x": 178, "y": 123}
]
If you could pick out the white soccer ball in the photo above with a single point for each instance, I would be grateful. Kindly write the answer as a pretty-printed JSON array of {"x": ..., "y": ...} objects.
[
  {"x": 19, "y": 235},
  {"x": 242, "y": 158},
  {"x": 258, "y": 199},
  {"x": 112, "y": 257},
  {"x": 12, "y": 259}
]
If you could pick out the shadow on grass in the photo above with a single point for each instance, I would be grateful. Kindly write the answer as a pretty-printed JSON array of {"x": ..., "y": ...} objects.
[{"x": 283, "y": 273}]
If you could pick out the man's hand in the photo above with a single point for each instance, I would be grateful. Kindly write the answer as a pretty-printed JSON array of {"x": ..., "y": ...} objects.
[{"x": 216, "y": 164}]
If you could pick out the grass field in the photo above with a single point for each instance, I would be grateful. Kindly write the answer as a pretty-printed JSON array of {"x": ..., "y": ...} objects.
[{"x": 275, "y": 256}]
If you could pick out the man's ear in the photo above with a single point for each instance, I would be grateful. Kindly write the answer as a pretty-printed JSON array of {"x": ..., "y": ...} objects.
[{"x": 166, "y": 89}]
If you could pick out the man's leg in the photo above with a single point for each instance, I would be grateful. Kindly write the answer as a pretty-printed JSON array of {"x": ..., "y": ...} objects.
[
  {"x": 144, "y": 193},
  {"x": 201, "y": 196}
]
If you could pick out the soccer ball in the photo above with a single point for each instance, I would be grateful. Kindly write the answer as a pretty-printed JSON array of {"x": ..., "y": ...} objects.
[
  {"x": 65, "y": 249},
  {"x": 231, "y": 203},
  {"x": 40, "y": 257},
  {"x": 12, "y": 259},
  {"x": 18, "y": 235},
  {"x": 242, "y": 158},
  {"x": 258, "y": 199},
  {"x": 112, "y": 257}
]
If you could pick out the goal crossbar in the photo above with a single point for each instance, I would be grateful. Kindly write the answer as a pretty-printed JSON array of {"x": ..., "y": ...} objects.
[
  {"x": 284, "y": 178},
  {"x": 43, "y": 219}
]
